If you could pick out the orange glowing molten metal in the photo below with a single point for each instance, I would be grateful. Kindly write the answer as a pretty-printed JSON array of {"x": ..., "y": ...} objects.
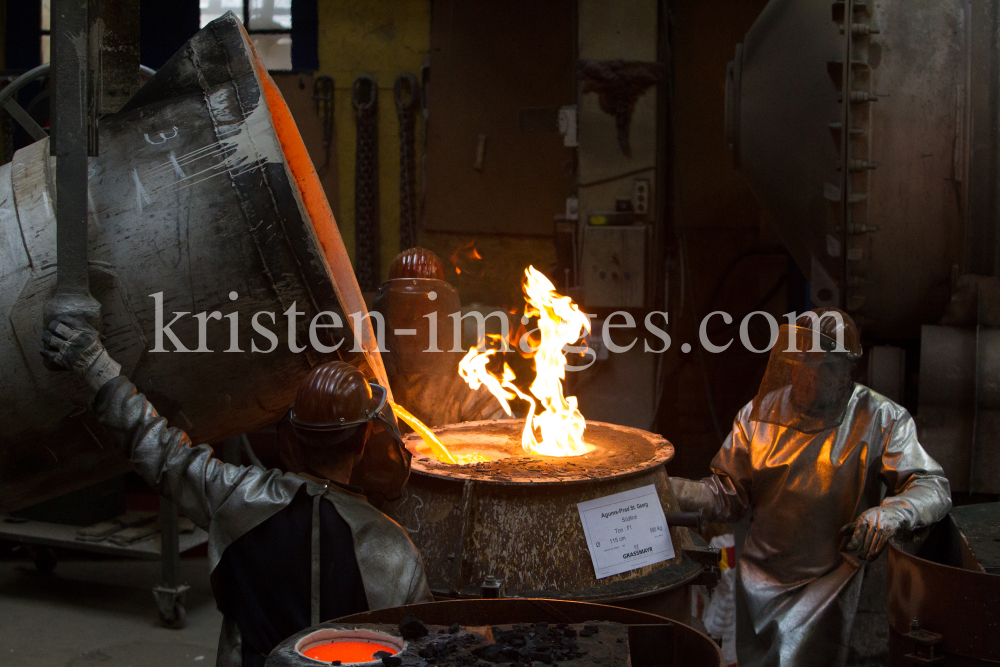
[
  {"x": 347, "y": 652},
  {"x": 558, "y": 429}
]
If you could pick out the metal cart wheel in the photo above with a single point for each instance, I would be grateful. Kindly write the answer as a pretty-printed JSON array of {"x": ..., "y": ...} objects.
[
  {"x": 174, "y": 616},
  {"x": 8, "y": 98},
  {"x": 45, "y": 559}
]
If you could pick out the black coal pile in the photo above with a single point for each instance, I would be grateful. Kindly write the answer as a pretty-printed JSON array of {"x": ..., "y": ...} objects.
[
  {"x": 524, "y": 644},
  {"x": 411, "y": 628},
  {"x": 518, "y": 646}
]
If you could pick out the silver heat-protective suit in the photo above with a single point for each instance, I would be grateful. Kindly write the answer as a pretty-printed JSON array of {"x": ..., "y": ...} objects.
[
  {"x": 807, "y": 467},
  {"x": 228, "y": 501}
]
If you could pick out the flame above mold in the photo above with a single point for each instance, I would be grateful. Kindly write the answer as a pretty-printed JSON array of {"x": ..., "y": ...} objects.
[{"x": 558, "y": 429}]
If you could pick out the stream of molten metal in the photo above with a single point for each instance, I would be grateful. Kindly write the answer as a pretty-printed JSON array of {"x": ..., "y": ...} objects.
[
  {"x": 558, "y": 429},
  {"x": 440, "y": 452}
]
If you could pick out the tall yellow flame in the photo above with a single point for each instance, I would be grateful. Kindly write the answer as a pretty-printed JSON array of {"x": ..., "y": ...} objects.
[{"x": 560, "y": 424}]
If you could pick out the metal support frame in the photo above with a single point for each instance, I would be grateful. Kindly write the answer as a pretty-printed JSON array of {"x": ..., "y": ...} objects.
[
  {"x": 170, "y": 594},
  {"x": 8, "y": 100},
  {"x": 73, "y": 124}
]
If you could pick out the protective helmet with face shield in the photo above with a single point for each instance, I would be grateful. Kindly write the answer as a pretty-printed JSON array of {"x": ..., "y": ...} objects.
[
  {"x": 337, "y": 411},
  {"x": 810, "y": 374}
]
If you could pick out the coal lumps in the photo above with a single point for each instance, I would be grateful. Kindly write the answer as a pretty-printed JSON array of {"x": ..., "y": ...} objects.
[{"x": 411, "y": 628}]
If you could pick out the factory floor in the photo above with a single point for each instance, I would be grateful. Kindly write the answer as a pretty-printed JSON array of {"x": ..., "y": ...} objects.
[{"x": 101, "y": 613}]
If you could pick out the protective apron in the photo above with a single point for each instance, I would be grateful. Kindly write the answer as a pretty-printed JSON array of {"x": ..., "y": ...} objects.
[
  {"x": 808, "y": 455},
  {"x": 228, "y": 501}
]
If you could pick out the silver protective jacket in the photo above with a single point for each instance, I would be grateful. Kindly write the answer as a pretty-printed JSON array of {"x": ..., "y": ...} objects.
[
  {"x": 228, "y": 501},
  {"x": 796, "y": 592}
]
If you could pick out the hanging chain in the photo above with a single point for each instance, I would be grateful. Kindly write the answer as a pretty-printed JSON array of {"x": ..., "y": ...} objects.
[
  {"x": 323, "y": 91},
  {"x": 364, "y": 99},
  {"x": 407, "y": 96}
]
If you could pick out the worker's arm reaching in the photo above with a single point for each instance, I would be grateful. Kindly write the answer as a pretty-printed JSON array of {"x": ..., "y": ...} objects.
[
  {"x": 725, "y": 495},
  {"x": 162, "y": 455},
  {"x": 919, "y": 493}
]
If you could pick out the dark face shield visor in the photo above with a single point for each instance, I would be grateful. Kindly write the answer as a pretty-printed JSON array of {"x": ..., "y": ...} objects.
[
  {"x": 808, "y": 382},
  {"x": 385, "y": 465}
]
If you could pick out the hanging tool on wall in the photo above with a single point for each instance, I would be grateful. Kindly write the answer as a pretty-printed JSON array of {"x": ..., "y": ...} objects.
[
  {"x": 367, "y": 246},
  {"x": 407, "y": 95},
  {"x": 323, "y": 91}
]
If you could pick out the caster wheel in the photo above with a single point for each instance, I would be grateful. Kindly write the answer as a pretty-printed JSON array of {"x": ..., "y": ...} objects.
[
  {"x": 45, "y": 559},
  {"x": 177, "y": 619}
]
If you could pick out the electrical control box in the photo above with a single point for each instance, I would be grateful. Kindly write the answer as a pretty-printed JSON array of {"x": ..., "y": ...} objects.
[{"x": 613, "y": 266}]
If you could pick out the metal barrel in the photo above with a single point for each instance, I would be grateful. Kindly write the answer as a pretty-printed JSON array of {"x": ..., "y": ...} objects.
[
  {"x": 942, "y": 605},
  {"x": 653, "y": 640}
]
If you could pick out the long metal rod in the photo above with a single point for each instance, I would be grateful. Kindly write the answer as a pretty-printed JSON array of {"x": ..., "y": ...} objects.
[
  {"x": 169, "y": 543},
  {"x": 982, "y": 245},
  {"x": 70, "y": 113}
]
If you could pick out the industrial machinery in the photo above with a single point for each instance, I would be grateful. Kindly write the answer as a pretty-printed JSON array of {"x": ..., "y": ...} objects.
[
  {"x": 616, "y": 126},
  {"x": 198, "y": 199},
  {"x": 202, "y": 201},
  {"x": 867, "y": 132},
  {"x": 855, "y": 124}
]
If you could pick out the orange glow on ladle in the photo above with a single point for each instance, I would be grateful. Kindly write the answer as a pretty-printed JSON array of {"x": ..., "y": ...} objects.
[{"x": 319, "y": 213}]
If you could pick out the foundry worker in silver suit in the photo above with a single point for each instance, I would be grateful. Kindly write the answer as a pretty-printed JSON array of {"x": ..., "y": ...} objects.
[
  {"x": 831, "y": 470},
  {"x": 286, "y": 550}
]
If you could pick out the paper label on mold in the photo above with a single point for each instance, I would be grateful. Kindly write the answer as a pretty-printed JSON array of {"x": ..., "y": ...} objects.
[{"x": 626, "y": 531}]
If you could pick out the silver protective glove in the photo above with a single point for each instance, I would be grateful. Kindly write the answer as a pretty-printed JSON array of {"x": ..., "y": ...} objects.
[
  {"x": 870, "y": 532},
  {"x": 73, "y": 345}
]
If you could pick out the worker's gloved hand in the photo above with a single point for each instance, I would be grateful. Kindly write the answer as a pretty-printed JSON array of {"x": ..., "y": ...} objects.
[
  {"x": 870, "y": 532},
  {"x": 73, "y": 345}
]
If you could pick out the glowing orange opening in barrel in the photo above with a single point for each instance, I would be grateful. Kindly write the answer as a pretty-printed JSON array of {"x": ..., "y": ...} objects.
[{"x": 347, "y": 652}]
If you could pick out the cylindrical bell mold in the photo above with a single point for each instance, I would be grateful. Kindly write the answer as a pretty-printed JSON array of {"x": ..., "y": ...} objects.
[
  {"x": 207, "y": 224},
  {"x": 419, "y": 328}
]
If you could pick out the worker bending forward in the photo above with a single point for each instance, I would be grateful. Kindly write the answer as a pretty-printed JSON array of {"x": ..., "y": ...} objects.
[
  {"x": 285, "y": 550},
  {"x": 813, "y": 455}
]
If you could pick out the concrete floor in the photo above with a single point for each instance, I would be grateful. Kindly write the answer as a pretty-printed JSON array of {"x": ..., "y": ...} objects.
[
  {"x": 870, "y": 636},
  {"x": 102, "y": 614}
]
